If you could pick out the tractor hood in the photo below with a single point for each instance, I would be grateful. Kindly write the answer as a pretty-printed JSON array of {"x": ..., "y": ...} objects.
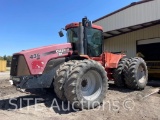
[
  {"x": 53, "y": 47},
  {"x": 37, "y": 58}
]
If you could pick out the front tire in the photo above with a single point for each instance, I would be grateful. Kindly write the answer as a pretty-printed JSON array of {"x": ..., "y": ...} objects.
[
  {"x": 61, "y": 77},
  {"x": 87, "y": 85}
]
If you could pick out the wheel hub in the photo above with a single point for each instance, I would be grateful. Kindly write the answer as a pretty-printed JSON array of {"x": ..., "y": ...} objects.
[
  {"x": 84, "y": 83},
  {"x": 91, "y": 85},
  {"x": 141, "y": 74}
]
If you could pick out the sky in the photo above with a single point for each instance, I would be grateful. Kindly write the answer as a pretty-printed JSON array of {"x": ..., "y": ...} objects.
[{"x": 26, "y": 24}]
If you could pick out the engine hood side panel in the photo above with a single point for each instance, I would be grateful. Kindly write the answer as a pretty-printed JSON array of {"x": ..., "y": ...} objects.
[{"x": 38, "y": 58}]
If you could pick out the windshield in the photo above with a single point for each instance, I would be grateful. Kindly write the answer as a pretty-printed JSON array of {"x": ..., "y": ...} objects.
[
  {"x": 93, "y": 37},
  {"x": 94, "y": 42},
  {"x": 72, "y": 35}
]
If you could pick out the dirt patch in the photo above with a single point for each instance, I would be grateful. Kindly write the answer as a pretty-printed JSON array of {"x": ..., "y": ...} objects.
[
  {"x": 4, "y": 75},
  {"x": 119, "y": 104}
]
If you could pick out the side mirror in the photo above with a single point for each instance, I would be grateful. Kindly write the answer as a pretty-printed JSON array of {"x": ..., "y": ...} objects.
[{"x": 61, "y": 33}]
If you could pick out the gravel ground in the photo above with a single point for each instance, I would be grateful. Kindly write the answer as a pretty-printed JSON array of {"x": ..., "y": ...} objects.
[
  {"x": 122, "y": 104},
  {"x": 4, "y": 75}
]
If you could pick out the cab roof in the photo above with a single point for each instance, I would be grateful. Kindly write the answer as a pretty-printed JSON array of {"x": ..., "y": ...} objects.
[{"x": 76, "y": 24}]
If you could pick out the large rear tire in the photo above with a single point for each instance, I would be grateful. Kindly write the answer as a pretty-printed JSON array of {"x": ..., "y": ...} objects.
[
  {"x": 61, "y": 77},
  {"x": 118, "y": 73},
  {"x": 136, "y": 75},
  {"x": 87, "y": 85}
]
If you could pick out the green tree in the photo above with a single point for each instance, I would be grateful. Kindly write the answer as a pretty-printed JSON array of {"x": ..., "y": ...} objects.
[
  {"x": 5, "y": 57},
  {"x": 9, "y": 58}
]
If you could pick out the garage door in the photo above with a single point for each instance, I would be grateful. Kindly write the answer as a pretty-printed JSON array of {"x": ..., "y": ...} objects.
[
  {"x": 150, "y": 48},
  {"x": 149, "y": 41}
]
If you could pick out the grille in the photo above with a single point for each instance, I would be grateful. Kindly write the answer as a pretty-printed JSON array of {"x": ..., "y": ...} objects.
[{"x": 19, "y": 66}]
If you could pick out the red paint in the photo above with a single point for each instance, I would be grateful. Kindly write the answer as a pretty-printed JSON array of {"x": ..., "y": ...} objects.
[
  {"x": 111, "y": 60},
  {"x": 37, "y": 64},
  {"x": 34, "y": 63},
  {"x": 108, "y": 60}
]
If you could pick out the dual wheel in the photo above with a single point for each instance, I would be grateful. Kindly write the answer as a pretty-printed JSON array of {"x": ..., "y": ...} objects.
[
  {"x": 131, "y": 72},
  {"x": 83, "y": 83}
]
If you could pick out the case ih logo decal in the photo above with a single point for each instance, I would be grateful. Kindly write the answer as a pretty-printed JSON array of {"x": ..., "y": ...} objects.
[
  {"x": 62, "y": 51},
  {"x": 59, "y": 51}
]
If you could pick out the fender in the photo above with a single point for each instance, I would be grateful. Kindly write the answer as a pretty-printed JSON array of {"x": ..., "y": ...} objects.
[{"x": 111, "y": 60}]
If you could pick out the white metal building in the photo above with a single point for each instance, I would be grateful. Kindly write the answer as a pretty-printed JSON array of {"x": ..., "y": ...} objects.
[{"x": 134, "y": 28}]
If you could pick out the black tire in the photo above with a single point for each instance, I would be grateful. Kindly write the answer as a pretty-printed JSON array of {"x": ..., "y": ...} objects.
[
  {"x": 60, "y": 78},
  {"x": 136, "y": 75},
  {"x": 118, "y": 73},
  {"x": 125, "y": 70},
  {"x": 80, "y": 79}
]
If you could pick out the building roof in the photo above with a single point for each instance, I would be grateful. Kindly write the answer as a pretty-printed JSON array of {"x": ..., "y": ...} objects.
[
  {"x": 131, "y": 5},
  {"x": 135, "y": 16}
]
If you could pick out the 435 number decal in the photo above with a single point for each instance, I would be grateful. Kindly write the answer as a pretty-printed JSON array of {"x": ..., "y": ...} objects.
[{"x": 35, "y": 56}]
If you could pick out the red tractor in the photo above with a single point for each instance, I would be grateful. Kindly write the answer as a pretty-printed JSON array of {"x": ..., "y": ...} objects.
[{"x": 78, "y": 70}]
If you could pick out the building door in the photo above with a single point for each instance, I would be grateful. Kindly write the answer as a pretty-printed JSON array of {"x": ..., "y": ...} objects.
[{"x": 150, "y": 51}]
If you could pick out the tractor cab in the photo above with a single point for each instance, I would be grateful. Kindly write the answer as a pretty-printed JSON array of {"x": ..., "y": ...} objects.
[{"x": 86, "y": 38}]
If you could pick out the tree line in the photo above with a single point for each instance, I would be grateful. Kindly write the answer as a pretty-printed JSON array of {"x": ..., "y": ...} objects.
[{"x": 7, "y": 58}]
